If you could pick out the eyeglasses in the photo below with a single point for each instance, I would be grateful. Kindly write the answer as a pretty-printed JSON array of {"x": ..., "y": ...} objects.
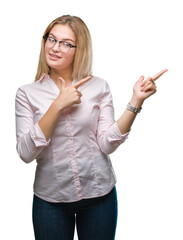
[{"x": 64, "y": 46}]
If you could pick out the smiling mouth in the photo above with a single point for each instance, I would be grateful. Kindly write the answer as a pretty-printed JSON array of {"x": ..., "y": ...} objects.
[{"x": 54, "y": 56}]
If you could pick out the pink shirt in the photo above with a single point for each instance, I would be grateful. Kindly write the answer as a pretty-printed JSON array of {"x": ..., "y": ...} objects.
[{"x": 74, "y": 163}]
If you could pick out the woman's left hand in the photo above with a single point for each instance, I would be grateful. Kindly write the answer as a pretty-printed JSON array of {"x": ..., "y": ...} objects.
[
  {"x": 145, "y": 88},
  {"x": 141, "y": 91}
]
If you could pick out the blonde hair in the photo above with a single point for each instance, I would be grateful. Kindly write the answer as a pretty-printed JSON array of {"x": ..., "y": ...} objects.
[{"x": 82, "y": 65}]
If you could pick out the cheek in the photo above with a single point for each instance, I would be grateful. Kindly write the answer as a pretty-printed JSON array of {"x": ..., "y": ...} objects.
[
  {"x": 65, "y": 61},
  {"x": 72, "y": 55},
  {"x": 70, "y": 58},
  {"x": 46, "y": 50}
]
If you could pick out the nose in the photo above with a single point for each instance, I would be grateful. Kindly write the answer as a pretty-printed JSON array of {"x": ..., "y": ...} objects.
[{"x": 56, "y": 47}]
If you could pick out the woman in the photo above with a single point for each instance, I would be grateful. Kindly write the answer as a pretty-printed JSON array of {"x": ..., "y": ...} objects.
[{"x": 65, "y": 121}]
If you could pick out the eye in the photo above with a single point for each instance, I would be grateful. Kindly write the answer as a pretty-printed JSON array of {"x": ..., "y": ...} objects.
[
  {"x": 51, "y": 39},
  {"x": 66, "y": 44}
]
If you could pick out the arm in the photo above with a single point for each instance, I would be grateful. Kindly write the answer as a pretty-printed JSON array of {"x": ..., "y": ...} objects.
[
  {"x": 67, "y": 97},
  {"x": 109, "y": 136},
  {"x": 141, "y": 91},
  {"x": 110, "y": 133},
  {"x": 30, "y": 139}
]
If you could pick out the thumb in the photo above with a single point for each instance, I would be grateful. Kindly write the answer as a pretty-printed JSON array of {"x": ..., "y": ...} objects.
[
  {"x": 141, "y": 79},
  {"x": 62, "y": 82}
]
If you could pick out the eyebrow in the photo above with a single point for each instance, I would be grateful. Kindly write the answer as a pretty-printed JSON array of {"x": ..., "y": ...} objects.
[{"x": 65, "y": 39}]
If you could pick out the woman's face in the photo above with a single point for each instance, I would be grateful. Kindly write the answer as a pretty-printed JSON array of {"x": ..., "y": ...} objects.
[{"x": 55, "y": 56}]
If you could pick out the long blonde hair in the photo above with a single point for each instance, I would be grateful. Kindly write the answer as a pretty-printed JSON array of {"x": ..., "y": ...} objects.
[{"x": 82, "y": 65}]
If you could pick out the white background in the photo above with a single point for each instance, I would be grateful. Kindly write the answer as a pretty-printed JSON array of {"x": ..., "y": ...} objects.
[{"x": 130, "y": 38}]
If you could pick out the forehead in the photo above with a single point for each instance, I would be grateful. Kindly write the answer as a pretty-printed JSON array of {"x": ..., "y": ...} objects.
[{"x": 61, "y": 31}]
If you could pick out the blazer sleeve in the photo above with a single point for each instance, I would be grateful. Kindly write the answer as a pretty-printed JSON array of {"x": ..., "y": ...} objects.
[
  {"x": 30, "y": 139},
  {"x": 109, "y": 136}
]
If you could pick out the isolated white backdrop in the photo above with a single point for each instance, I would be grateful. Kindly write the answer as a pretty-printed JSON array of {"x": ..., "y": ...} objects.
[{"x": 130, "y": 38}]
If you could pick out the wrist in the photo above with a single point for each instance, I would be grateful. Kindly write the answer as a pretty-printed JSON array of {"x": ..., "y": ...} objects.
[
  {"x": 133, "y": 109},
  {"x": 58, "y": 106},
  {"x": 135, "y": 102}
]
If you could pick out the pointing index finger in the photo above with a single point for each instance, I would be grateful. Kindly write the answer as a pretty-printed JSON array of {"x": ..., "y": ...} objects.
[
  {"x": 159, "y": 74},
  {"x": 80, "y": 82}
]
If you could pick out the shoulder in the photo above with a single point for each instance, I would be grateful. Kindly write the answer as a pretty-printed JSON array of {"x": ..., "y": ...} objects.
[
  {"x": 99, "y": 83},
  {"x": 32, "y": 88},
  {"x": 98, "y": 80},
  {"x": 33, "y": 85}
]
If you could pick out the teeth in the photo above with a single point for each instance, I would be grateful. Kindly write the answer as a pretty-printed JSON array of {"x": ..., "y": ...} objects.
[{"x": 54, "y": 56}]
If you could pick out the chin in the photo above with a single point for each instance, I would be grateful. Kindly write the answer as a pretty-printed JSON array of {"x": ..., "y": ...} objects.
[
  {"x": 58, "y": 65},
  {"x": 54, "y": 64}
]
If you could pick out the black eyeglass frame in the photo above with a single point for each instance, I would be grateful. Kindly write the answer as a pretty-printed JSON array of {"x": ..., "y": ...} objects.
[{"x": 70, "y": 45}]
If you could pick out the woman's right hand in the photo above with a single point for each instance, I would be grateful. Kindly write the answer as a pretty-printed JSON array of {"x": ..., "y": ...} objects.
[{"x": 70, "y": 95}]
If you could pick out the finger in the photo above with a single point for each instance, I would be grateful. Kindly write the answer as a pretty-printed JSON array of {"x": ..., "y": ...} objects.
[
  {"x": 145, "y": 82},
  {"x": 62, "y": 82},
  {"x": 152, "y": 81},
  {"x": 82, "y": 81},
  {"x": 141, "y": 79},
  {"x": 159, "y": 74},
  {"x": 151, "y": 87},
  {"x": 80, "y": 94},
  {"x": 78, "y": 102},
  {"x": 148, "y": 82}
]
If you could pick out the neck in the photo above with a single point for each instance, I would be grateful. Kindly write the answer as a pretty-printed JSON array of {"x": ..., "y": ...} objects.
[{"x": 66, "y": 75}]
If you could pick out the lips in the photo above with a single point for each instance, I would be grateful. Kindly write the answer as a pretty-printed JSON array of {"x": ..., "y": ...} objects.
[{"x": 53, "y": 56}]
